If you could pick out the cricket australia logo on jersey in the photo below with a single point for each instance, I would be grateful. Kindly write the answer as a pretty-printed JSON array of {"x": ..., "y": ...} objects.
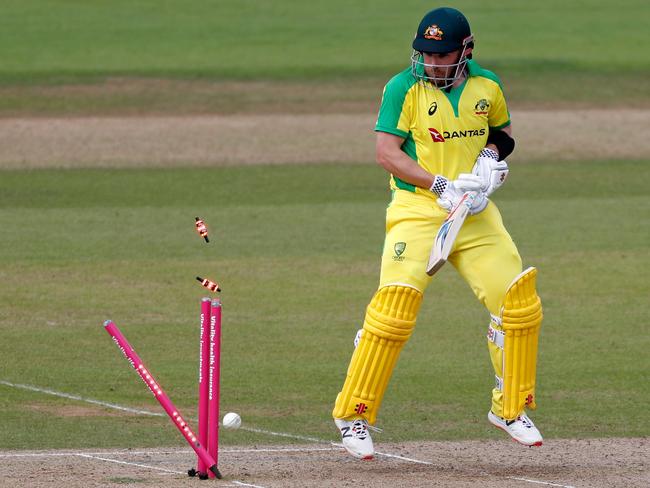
[
  {"x": 481, "y": 107},
  {"x": 399, "y": 249}
]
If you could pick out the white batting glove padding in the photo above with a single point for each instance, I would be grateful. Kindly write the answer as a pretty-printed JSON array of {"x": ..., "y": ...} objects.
[
  {"x": 497, "y": 177},
  {"x": 493, "y": 173},
  {"x": 455, "y": 190}
]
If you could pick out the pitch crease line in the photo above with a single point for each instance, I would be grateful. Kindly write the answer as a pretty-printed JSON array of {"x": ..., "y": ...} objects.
[
  {"x": 157, "y": 414},
  {"x": 81, "y": 399},
  {"x": 249, "y": 429},
  {"x": 403, "y": 458},
  {"x": 164, "y": 471},
  {"x": 240, "y": 483},
  {"x": 149, "y": 453},
  {"x": 539, "y": 482},
  {"x": 117, "y": 461}
]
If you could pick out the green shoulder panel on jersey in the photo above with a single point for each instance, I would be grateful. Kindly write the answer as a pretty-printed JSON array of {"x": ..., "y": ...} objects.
[
  {"x": 502, "y": 126},
  {"x": 392, "y": 103},
  {"x": 476, "y": 70}
]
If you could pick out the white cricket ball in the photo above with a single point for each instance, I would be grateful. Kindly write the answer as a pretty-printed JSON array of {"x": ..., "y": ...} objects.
[{"x": 231, "y": 421}]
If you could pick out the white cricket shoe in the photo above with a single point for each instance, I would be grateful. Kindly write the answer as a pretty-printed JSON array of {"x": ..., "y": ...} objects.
[
  {"x": 356, "y": 438},
  {"x": 521, "y": 429}
]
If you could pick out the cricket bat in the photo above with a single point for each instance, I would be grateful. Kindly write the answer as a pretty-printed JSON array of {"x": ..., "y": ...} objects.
[{"x": 448, "y": 232}]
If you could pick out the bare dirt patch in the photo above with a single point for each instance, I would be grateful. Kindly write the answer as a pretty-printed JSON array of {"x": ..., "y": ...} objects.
[
  {"x": 576, "y": 463},
  {"x": 137, "y": 96},
  {"x": 290, "y": 138}
]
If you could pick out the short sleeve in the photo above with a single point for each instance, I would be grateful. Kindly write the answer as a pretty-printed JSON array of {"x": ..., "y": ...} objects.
[
  {"x": 396, "y": 108},
  {"x": 498, "y": 116}
]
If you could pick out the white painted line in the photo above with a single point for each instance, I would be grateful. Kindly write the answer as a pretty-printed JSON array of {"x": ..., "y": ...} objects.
[
  {"x": 44, "y": 454},
  {"x": 335, "y": 447},
  {"x": 283, "y": 434},
  {"x": 145, "y": 412},
  {"x": 246, "y": 484},
  {"x": 152, "y": 453},
  {"x": 166, "y": 471},
  {"x": 539, "y": 482},
  {"x": 81, "y": 399},
  {"x": 297, "y": 449},
  {"x": 395, "y": 456},
  {"x": 148, "y": 412},
  {"x": 157, "y": 414},
  {"x": 336, "y": 444},
  {"x": 403, "y": 458}
]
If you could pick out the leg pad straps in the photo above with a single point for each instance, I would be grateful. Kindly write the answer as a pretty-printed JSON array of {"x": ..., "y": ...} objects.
[
  {"x": 520, "y": 321},
  {"x": 389, "y": 322}
]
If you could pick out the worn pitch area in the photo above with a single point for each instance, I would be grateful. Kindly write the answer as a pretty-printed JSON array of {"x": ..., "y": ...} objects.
[{"x": 568, "y": 462}]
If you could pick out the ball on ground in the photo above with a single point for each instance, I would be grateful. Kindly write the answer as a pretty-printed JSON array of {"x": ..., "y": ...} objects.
[{"x": 231, "y": 421}]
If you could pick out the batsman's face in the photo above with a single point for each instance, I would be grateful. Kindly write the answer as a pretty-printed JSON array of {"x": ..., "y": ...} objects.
[{"x": 440, "y": 66}]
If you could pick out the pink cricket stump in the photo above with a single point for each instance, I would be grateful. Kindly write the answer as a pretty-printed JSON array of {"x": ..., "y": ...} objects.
[
  {"x": 160, "y": 395},
  {"x": 215, "y": 373},
  {"x": 204, "y": 374}
]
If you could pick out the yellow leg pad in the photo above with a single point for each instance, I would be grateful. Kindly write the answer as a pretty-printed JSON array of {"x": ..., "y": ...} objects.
[
  {"x": 390, "y": 319},
  {"x": 521, "y": 320}
]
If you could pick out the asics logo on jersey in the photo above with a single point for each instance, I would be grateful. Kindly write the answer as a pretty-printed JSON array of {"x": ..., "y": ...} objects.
[{"x": 433, "y": 108}]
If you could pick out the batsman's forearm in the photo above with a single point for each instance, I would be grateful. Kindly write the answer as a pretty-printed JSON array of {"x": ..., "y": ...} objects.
[{"x": 403, "y": 167}]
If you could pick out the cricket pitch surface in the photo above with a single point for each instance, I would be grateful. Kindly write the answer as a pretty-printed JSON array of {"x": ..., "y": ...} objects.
[{"x": 560, "y": 463}]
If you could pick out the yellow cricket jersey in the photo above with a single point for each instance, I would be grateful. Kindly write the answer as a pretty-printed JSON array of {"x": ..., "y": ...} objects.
[{"x": 443, "y": 131}]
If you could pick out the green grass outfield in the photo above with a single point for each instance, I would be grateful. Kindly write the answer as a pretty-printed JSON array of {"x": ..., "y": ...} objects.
[
  {"x": 296, "y": 249},
  {"x": 589, "y": 51}
]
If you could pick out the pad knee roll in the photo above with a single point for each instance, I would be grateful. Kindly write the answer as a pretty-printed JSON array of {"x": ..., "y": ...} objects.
[
  {"x": 389, "y": 322},
  {"x": 521, "y": 319}
]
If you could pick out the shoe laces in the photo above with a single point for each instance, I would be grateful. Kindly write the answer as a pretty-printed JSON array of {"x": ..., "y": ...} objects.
[
  {"x": 360, "y": 428},
  {"x": 525, "y": 421}
]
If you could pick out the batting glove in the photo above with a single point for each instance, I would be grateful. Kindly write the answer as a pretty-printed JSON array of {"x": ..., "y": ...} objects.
[
  {"x": 493, "y": 173},
  {"x": 450, "y": 192}
]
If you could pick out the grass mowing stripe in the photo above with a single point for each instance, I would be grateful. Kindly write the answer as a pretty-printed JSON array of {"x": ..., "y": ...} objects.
[
  {"x": 48, "y": 43},
  {"x": 298, "y": 266},
  {"x": 81, "y": 399},
  {"x": 145, "y": 412},
  {"x": 285, "y": 185},
  {"x": 195, "y": 38}
]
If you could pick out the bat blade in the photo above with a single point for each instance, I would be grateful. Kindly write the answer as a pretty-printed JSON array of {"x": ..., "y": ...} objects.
[{"x": 448, "y": 232}]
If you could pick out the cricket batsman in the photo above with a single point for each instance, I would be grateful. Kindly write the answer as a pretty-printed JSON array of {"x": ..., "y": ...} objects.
[{"x": 444, "y": 130}]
